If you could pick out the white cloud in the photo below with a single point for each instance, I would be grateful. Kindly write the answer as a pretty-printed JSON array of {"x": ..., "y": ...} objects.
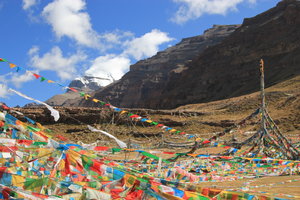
[
  {"x": 68, "y": 19},
  {"x": 27, "y": 4},
  {"x": 3, "y": 91},
  {"x": 137, "y": 48},
  {"x": 193, "y": 9},
  {"x": 116, "y": 37},
  {"x": 65, "y": 67},
  {"x": 18, "y": 79},
  {"x": 146, "y": 45},
  {"x": 116, "y": 65}
]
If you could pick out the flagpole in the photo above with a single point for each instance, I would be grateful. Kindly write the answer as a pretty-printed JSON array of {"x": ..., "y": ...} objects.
[{"x": 263, "y": 102}]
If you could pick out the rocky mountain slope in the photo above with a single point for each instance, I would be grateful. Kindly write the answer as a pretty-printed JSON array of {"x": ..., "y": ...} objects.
[
  {"x": 86, "y": 84},
  {"x": 148, "y": 77},
  {"x": 225, "y": 66}
]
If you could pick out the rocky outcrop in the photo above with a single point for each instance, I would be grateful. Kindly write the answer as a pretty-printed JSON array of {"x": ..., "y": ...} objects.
[
  {"x": 146, "y": 79},
  {"x": 224, "y": 67}
]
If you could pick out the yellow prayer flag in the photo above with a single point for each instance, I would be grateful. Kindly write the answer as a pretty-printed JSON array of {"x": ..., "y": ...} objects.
[
  {"x": 96, "y": 100},
  {"x": 74, "y": 157},
  {"x": 61, "y": 165},
  {"x": 123, "y": 111},
  {"x": 44, "y": 151},
  {"x": 49, "y": 81},
  {"x": 11, "y": 65},
  {"x": 86, "y": 96},
  {"x": 40, "y": 126},
  {"x": 17, "y": 180}
]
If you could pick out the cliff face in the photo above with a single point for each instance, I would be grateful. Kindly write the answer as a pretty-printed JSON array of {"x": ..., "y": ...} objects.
[
  {"x": 226, "y": 64},
  {"x": 146, "y": 80},
  {"x": 231, "y": 68}
]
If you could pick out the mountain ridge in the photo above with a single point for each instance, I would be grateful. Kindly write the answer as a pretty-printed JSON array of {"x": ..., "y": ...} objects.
[{"x": 223, "y": 70}]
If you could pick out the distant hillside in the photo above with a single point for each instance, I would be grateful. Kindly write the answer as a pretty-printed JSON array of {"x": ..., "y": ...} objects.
[
  {"x": 86, "y": 84},
  {"x": 225, "y": 64}
]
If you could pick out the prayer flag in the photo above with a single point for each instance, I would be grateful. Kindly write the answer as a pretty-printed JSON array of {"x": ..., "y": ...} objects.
[
  {"x": 36, "y": 76},
  {"x": 11, "y": 65}
]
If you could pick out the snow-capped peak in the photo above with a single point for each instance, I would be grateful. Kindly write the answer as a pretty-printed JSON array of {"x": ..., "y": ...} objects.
[{"x": 91, "y": 82}]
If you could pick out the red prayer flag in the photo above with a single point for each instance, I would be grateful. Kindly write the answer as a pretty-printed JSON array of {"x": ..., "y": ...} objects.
[
  {"x": 74, "y": 90},
  {"x": 37, "y": 76},
  {"x": 98, "y": 148},
  {"x": 134, "y": 116},
  {"x": 67, "y": 164},
  {"x": 25, "y": 142},
  {"x": 169, "y": 152},
  {"x": 61, "y": 137},
  {"x": 5, "y": 107}
]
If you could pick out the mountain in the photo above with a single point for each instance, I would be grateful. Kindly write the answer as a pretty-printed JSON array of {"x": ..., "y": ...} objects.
[
  {"x": 90, "y": 83},
  {"x": 214, "y": 66},
  {"x": 147, "y": 78},
  {"x": 85, "y": 84}
]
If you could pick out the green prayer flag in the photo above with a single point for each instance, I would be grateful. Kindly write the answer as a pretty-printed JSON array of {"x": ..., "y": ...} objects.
[
  {"x": 31, "y": 183},
  {"x": 33, "y": 129},
  {"x": 149, "y": 155},
  {"x": 48, "y": 130},
  {"x": 42, "y": 79},
  {"x": 86, "y": 162},
  {"x": 39, "y": 143},
  {"x": 115, "y": 150}
]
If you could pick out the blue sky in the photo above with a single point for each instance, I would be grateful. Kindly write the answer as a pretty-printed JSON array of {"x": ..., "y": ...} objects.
[{"x": 65, "y": 39}]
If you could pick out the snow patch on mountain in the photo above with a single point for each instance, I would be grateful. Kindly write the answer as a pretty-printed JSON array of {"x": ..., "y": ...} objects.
[{"x": 91, "y": 82}]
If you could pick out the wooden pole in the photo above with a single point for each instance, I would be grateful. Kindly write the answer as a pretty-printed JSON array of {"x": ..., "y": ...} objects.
[
  {"x": 262, "y": 110},
  {"x": 263, "y": 102}
]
